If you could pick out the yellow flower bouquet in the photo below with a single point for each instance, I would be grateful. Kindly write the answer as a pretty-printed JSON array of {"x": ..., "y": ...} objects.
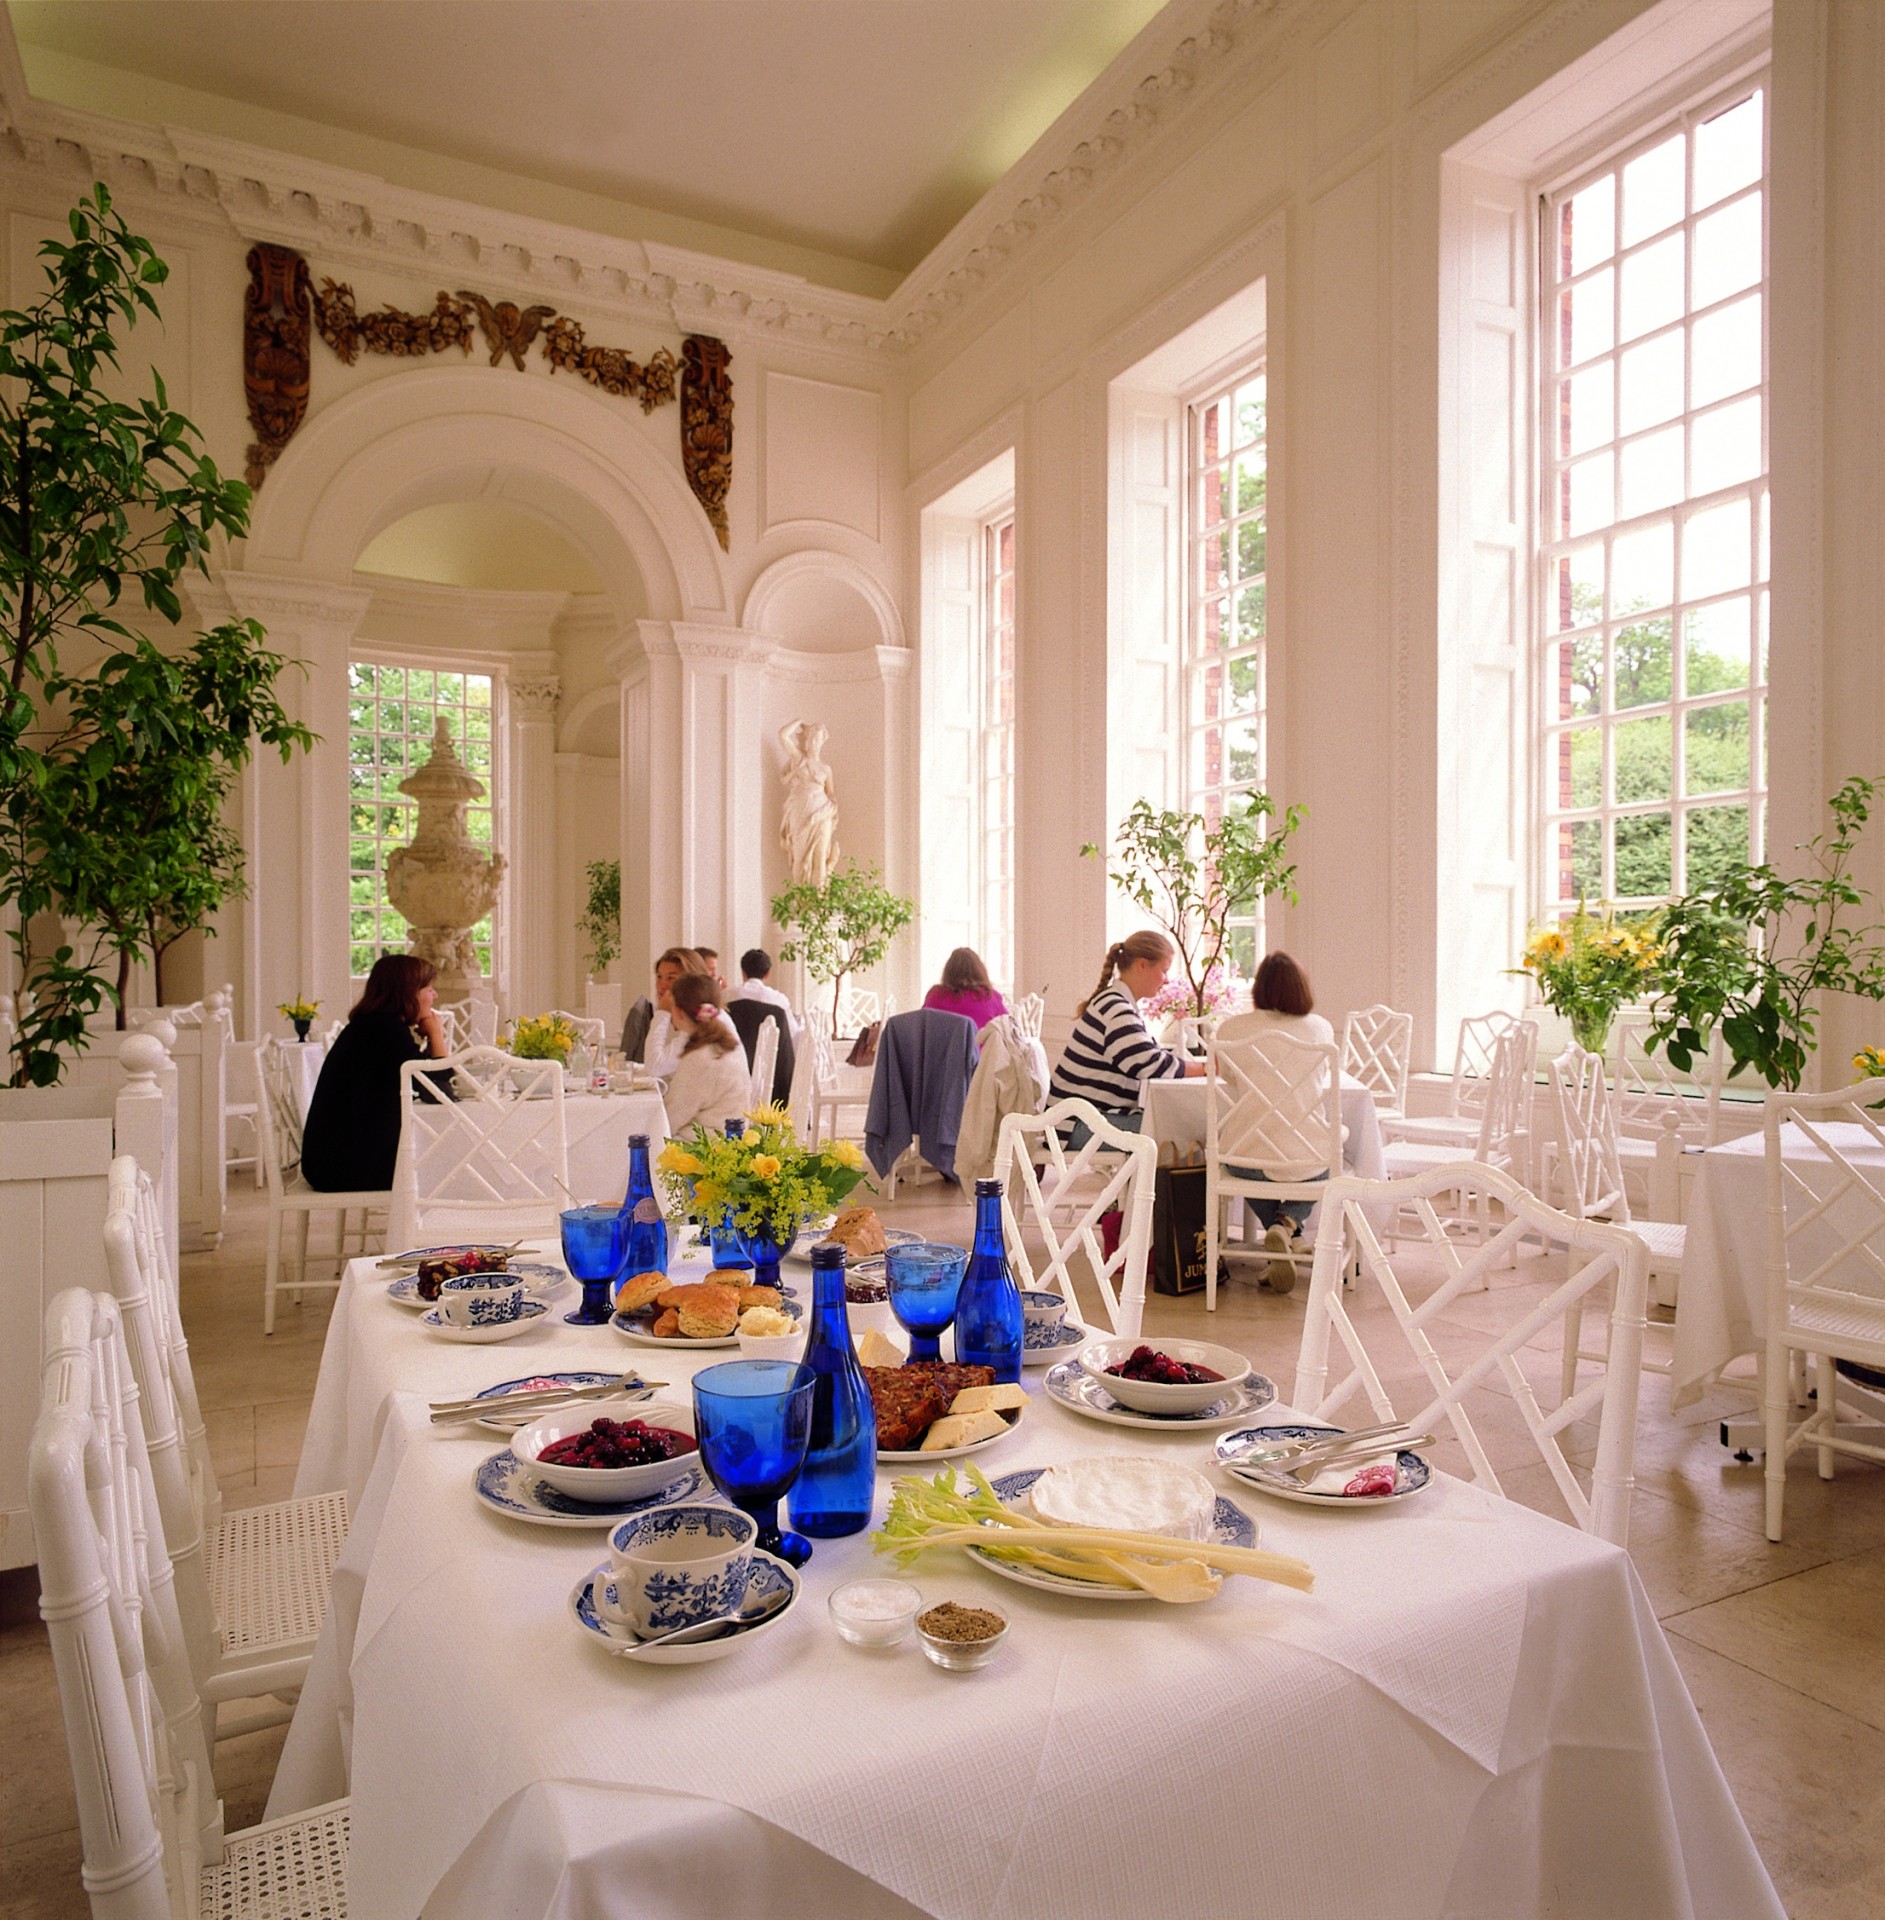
[
  {"x": 541, "y": 1036},
  {"x": 1588, "y": 966},
  {"x": 762, "y": 1182},
  {"x": 298, "y": 1009}
]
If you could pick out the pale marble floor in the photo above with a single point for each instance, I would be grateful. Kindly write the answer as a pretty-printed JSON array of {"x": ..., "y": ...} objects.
[{"x": 1783, "y": 1647}]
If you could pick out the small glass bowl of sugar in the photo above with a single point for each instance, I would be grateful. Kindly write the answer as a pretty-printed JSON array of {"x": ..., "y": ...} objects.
[{"x": 875, "y": 1613}]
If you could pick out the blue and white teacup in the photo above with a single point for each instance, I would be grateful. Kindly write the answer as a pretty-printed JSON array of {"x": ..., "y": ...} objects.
[
  {"x": 677, "y": 1566},
  {"x": 1041, "y": 1308},
  {"x": 482, "y": 1299}
]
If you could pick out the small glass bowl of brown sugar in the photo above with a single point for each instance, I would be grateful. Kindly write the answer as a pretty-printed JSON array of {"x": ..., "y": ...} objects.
[{"x": 958, "y": 1637}]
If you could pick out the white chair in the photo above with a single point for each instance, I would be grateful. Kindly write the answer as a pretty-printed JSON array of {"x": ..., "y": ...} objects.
[
  {"x": 278, "y": 1118},
  {"x": 593, "y": 1034},
  {"x": 1028, "y": 1012},
  {"x": 480, "y": 1023},
  {"x": 1377, "y": 1047},
  {"x": 491, "y": 1155},
  {"x": 1467, "y": 1092},
  {"x": 1501, "y": 1125},
  {"x": 1127, "y": 1174},
  {"x": 765, "y": 1061},
  {"x": 1273, "y": 1131},
  {"x": 244, "y": 1113},
  {"x": 1650, "y": 1099},
  {"x": 1600, "y": 1259},
  {"x": 150, "y": 1825},
  {"x": 252, "y": 1583},
  {"x": 1825, "y": 1157},
  {"x": 859, "y": 1006},
  {"x": 451, "y": 1024},
  {"x": 831, "y": 1087}
]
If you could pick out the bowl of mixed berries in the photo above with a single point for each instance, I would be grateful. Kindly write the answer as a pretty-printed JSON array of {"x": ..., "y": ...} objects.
[
  {"x": 610, "y": 1449},
  {"x": 1164, "y": 1375}
]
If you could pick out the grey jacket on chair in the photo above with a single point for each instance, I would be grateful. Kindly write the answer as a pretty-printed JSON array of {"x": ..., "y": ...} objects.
[{"x": 925, "y": 1061}]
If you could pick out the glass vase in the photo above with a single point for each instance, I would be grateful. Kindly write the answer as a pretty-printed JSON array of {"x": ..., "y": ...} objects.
[
  {"x": 765, "y": 1252},
  {"x": 1590, "y": 1027}
]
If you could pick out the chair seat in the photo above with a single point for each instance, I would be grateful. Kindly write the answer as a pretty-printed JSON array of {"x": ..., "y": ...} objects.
[
  {"x": 294, "y": 1869},
  {"x": 1405, "y": 1157},
  {"x": 1665, "y": 1239},
  {"x": 1859, "y": 1328},
  {"x": 1434, "y": 1129},
  {"x": 302, "y": 1198},
  {"x": 269, "y": 1569}
]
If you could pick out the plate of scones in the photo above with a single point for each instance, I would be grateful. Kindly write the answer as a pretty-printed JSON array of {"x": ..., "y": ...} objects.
[{"x": 654, "y": 1311}]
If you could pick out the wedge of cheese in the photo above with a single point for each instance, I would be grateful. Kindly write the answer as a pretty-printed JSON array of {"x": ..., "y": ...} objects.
[
  {"x": 875, "y": 1349},
  {"x": 1009, "y": 1397},
  {"x": 1142, "y": 1496},
  {"x": 962, "y": 1430}
]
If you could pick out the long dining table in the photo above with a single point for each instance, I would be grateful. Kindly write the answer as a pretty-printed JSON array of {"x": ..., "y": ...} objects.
[{"x": 1474, "y": 1713}]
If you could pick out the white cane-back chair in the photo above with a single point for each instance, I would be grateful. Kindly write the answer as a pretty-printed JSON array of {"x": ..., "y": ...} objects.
[
  {"x": 1273, "y": 1130},
  {"x": 765, "y": 1061},
  {"x": 1028, "y": 1012},
  {"x": 1652, "y": 1101},
  {"x": 1502, "y": 1126},
  {"x": 1825, "y": 1163},
  {"x": 483, "y": 1147},
  {"x": 1468, "y": 1090},
  {"x": 278, "y": 1119},
  {"x": 1377, "y": 1047},
  {"x": 590, "y": 1033},
  {"x": 480, "y": 1023},
  {"x": 1604, "y": 1261},
  {"x": 832, "y": 1088},
  {"x": 1126, "y": 1169},
  {"x": 241, "y": 1112},
  {"x": 150, "y": 1825}
]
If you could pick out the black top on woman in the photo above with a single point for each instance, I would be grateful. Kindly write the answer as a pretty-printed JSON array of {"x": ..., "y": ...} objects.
[{"x": 351, "y": 1137}]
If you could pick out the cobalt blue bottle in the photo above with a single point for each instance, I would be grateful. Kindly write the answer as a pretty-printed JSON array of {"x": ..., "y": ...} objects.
[
  {"x": 728, "y": 1248},
  {"x": 834, "y": 1493},
  {"x": 647, "y": 1227},
  {"x": 988, "y": 1309}
]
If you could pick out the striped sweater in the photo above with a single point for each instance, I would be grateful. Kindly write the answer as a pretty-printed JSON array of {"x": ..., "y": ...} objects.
[{"x": 1111, "y": 1054}]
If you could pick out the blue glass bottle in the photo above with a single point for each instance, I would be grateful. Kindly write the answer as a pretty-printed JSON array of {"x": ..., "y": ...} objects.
[
  {"x": 728, "y": 1248},
  {"x": 833, "y": 1494},
  {"x": 647, "y": 1227},
  {"x": 988, "y": 1309}
]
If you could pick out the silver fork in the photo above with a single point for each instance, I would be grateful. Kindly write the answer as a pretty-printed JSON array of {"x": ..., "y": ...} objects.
[{"x": 1295, "y": 1449}]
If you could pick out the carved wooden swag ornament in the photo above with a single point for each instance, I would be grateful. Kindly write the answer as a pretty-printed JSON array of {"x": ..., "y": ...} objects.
[{"x": 276, "y": 351}]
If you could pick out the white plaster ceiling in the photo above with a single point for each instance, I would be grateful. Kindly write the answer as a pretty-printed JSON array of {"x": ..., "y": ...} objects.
[{"x": 859, "y": 129}]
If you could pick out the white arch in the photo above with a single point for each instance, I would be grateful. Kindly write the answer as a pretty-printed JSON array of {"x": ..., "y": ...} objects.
[
  {"x": 822, "y": 562},
  {"x": 412, "y": 439}
]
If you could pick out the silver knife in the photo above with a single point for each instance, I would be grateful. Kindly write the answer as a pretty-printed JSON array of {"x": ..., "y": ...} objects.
[{"x": 531, "y": 1406}]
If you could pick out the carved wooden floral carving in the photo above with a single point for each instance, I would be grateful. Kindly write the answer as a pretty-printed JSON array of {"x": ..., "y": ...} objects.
[
  {"x": 707, "y": 424},
  {"x": 275, "y": 348}
]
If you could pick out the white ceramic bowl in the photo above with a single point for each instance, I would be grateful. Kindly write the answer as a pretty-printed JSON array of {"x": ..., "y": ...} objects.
[
  {"x": 772, "y": 1346},
  {"x": 605, "y": 1483},
  {"x": 1146, "y": 1396}
]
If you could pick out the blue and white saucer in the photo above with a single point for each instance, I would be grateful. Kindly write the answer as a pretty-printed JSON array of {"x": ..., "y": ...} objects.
[
  {"x": 770, "y": 1578},
  {"x": 539, "y": 1278},
  {"x": 1041, "y": 1346},
  {"x": 1071, "y": 1386},
  {"x": 507, "y": 1486},
  {"x": 1411, "y": 1472},
  {"x": 435, "y": 1322}
]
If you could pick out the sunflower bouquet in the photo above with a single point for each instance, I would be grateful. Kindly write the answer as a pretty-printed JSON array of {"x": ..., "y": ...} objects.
[
  {"x": 761, "y": 1181},
  {"x": 542, "y": 1036},
  {"x": 1590, "y": 965}
]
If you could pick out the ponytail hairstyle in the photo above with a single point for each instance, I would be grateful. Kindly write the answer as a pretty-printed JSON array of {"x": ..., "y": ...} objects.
[
  {"x": 1143, "y": 945},
  {"x": 691, "y": 993}
]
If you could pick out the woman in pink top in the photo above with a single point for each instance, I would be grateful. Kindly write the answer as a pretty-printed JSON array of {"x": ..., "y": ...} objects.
[{"x": 966, "y": 988}]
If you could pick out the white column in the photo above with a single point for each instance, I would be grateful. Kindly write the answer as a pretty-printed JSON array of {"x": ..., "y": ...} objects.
[
  {"x": 904, "y": 968},
  {"x": 530, "y": 840}
]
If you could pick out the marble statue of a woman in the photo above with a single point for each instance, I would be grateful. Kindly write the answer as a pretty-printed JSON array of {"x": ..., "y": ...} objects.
[{"x": 809, "y": 830}]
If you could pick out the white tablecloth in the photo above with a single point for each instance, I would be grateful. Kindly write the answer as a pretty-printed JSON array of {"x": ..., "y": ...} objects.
[
  {"x": 1722, "y": 1309},
  {"x": 1177, "y": 1114},
  {"x": 597, "y": 1126},
  {"x": 302, "y": 1062},
  {"x": 1475, "y": 1713}
]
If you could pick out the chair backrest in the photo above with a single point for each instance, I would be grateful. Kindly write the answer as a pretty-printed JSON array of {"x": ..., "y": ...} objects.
[
  {"x": 765, "y": 1061},
  {"x": 148, "y": 1814},
  {"x": 1028, "y": 1012},
  {"x": 1377, "y": 1046},
  {"x": 1130, "y": 1164},
  {"x": 1273, "y": 1107},
  {"x": 242, "y": 1083},
  {"x": 480, "y": 1023},
  {"x": 277, "y": 1117},
  {"x": 857, "y": 1008},
  {"x": 593, "y": 1034},
  {"x": 483, "y": 1141},
  {"x": 1600, "y": 1259},
  {"x": 1646, "y": 1090},
  {"x": 1505, "y": 1113},
  {"x": 1587, "y": 1137},
  {"x": 1826, "y": 1211},
  {"x": 1473, "y": 1059}
]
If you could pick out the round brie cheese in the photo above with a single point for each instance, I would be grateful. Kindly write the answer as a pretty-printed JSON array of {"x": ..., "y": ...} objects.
[{"x": 1142, "y": 1496}]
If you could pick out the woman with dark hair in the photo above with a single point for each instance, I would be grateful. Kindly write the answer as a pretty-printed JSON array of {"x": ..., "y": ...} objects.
[
  {"x": 711, "y": 1081},
  {"x": 351, "y": 1137},
  {"x": 1281, "y": 1002},
  {"x": 967, "y": 989}
]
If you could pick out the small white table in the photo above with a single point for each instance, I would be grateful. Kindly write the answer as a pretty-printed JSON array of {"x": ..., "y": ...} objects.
[{"x": 302, "y": 1063}]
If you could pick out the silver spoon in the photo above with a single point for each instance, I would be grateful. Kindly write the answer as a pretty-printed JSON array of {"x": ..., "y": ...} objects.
[{"x": 712, "y": 1629}]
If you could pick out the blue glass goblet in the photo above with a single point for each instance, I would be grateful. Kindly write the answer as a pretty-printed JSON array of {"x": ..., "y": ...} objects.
[
  {"x": 753, "y": 1420},
  {"x": 595, "y": 1248},
  {"x": 924, "y": 1279}
]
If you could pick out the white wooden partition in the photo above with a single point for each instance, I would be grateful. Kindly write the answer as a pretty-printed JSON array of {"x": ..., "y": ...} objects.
[{"x": 56, "y": 1149}]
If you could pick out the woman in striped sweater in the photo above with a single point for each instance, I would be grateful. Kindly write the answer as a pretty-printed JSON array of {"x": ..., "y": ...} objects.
[{"x": 1111, "y": 1053}]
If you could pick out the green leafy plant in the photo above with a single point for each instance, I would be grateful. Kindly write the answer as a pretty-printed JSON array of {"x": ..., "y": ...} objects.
[
  {"x": 115, "y": 754},
  {"x": 841, "y": 927},
  {"x": 1194, "y": 878},
  {"x": 601, "y": 922},
  {"x": 1753, "y": 952}
]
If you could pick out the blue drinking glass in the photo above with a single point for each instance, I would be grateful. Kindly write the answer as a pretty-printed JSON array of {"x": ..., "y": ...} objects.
[
  {"x": 753, "y": 1420},
  {"x": 924, "y": 1279},
  {"x": 595, "y": 1249}
]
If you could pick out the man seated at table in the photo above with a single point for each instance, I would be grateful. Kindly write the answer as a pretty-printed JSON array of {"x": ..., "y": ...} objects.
[{"x": 756, "y": 984}]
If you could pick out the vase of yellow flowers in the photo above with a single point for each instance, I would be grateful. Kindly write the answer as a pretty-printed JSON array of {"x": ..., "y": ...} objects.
[
  {"x": 759, "y": 1182},
  {"x": 1590, "y": 965},
  {"x": 538, "y": 1036},
  {"x": 299, "y": 1014}
]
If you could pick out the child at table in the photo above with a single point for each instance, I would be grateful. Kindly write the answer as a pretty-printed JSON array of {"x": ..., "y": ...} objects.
[{"x": 711, "y": 1081}]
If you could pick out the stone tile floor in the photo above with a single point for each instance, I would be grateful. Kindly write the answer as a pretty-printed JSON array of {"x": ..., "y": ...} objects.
[{"x": 1783, "y": 1646}]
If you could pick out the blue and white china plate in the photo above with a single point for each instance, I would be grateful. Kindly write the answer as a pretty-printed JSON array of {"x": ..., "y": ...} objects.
[
  {"x": 1071, "y": 1386},
  {"x": 918, "y": 1456},
  {"x": 1232, "y": 1527},
  {"x": 770, "y": 1576},
  {"x": 635, "y": 1326},
  {"x": 540, "y": 1280},
  {"x": 507, "y": 1486},
  {"x": 435, "y": 1322},
  {"x": 815, "y": 1231},
  {"x": 1042, "y": 1346},
  {"x": 500, "y": 1422},
  {"x": 1412, "y": 1473}
]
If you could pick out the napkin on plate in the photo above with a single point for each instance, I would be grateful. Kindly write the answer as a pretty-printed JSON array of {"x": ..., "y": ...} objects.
[{"x": 1337, "y": 1479}]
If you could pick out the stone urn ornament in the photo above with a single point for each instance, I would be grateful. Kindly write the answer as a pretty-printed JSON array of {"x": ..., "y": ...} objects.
[{"x": 444, "y": 883}]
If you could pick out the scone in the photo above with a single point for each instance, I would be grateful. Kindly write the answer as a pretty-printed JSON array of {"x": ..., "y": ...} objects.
[
  {"x": 759, "y": 1297},
  {"x": 639, "y": 1290},
  {"x": 668, "y": 1325},
  {"x": 712, "y": 1314}
]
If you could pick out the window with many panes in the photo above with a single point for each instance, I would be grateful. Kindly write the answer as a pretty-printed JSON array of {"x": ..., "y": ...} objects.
[
  {"x": 391, "y": 713},
  {"x": 1655, "y": 511},
  {"x": 998, "y": 742},
  {"x": 1225, "y": 619}
]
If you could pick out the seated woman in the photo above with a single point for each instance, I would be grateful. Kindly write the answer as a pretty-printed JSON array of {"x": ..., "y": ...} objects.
[
  {"x": 1111, "y": 1053},
  {"x": 351, "y": 1137},
  {"x": 711, "y": 1081},
  {"x": 966, "y": 989}
]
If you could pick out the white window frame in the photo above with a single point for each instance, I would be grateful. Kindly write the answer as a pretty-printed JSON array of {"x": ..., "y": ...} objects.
[{"x": 1557, "y": 818}]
